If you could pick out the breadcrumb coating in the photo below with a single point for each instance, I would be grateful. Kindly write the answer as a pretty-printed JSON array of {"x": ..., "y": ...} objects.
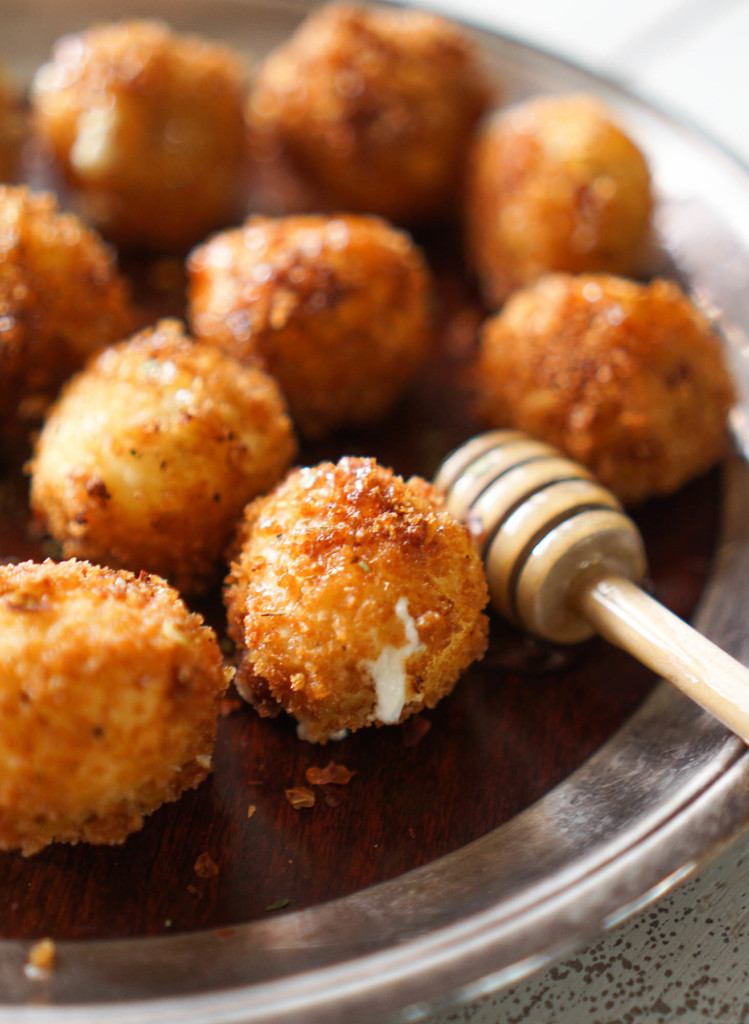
[
  {"x": 12, "y": 128},
  {"x": 554, "y": 184},
  {"x": 336, "y": 308},
  {"x": 109, "y": 695},
  {"x": 629, "y": 379},
  {"x": 353, "y": 599},
  {"x": 376, "y": 107},
  {"x": 150, "y": 454},
  {"x": 61, "y": 298},
  {"x": 148, "y": 126}
]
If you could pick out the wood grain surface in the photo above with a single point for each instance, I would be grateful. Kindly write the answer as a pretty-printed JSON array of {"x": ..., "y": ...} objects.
[{"x": 517, "y": 723}]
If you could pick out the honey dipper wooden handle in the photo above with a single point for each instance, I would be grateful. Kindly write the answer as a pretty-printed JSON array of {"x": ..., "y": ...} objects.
[
  {"x": 563, "y": 561},
  {"x": 626, "y": 616}
]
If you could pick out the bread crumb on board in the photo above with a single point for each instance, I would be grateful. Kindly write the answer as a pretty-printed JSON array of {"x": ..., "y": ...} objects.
[
  {"x": 332, "y": 773},
  {"x": 41, "y": 960},
  {"x": 300, "y": 796},
  {"x": 205, "y": 866}
]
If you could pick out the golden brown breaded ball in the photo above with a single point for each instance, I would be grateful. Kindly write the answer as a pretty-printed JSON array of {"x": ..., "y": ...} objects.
[
  {"x": 554, "y": 184},
  {"x": 11, "y": 128},
  {"x": 336, "y": 308},
  {"x": 109, "y": 693},
  {"x": 61, "y": 298},
  {"x": 629, "y": 379},
  {"x": 150, "y": 454},
  {"x": 374, "y": 106},
  {"x": 148, "y": 126},
  {"x": 353, "y": 599}
]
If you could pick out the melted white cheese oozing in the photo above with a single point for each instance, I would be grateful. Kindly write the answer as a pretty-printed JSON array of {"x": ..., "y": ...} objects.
[{"x": 388, "y": 671}]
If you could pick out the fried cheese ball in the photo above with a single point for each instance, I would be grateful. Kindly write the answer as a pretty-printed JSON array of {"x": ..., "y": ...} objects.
[
  {"x": 148, "y": 126},
  {"x": 353, "y": 599},
  {"x": 150, "y": 454},
  {"x": 109, "y": 698},
  {"x": 629, "y": 379},
  {"x": 61, "y": 299},
  {"x": 336, "y": 308},
  {"x": 375, "y": 107},
  {"x": 11, "y": 128},
  {"x": 555, "y": 185}
]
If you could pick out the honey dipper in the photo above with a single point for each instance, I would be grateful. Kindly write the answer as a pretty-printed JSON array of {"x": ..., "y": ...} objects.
[{"x": 563, "y": 561}]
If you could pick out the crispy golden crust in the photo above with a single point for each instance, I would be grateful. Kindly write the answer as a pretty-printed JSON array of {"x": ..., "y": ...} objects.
[
  {"x": 555, "y": 185},
  {"x": 376, "y": 107},
  {"x": 629, "y": 379},
  {"x": 149, "y": 126},
  {"x": 61, "y": 299},
  {"x": 336, "y": 308},
  {"x": 340, "y": 566},
  {"x": 109, "y": 693},
  {"x": 12, "y": 128},
  {"x": 150, "y": 454}
]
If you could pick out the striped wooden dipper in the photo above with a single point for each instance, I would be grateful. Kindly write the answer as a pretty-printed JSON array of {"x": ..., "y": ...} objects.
[{"x": 563, "y": 561}]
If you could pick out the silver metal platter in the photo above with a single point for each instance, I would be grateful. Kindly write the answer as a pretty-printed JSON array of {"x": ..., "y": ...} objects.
[{"x": 669, "y": 789}]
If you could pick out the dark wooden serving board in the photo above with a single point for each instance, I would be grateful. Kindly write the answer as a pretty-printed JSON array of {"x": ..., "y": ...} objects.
[{"x": 517, "y": 723}]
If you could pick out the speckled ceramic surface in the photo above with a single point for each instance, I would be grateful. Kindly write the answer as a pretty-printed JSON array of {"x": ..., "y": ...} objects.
[{"x": 682, "y": 958}]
